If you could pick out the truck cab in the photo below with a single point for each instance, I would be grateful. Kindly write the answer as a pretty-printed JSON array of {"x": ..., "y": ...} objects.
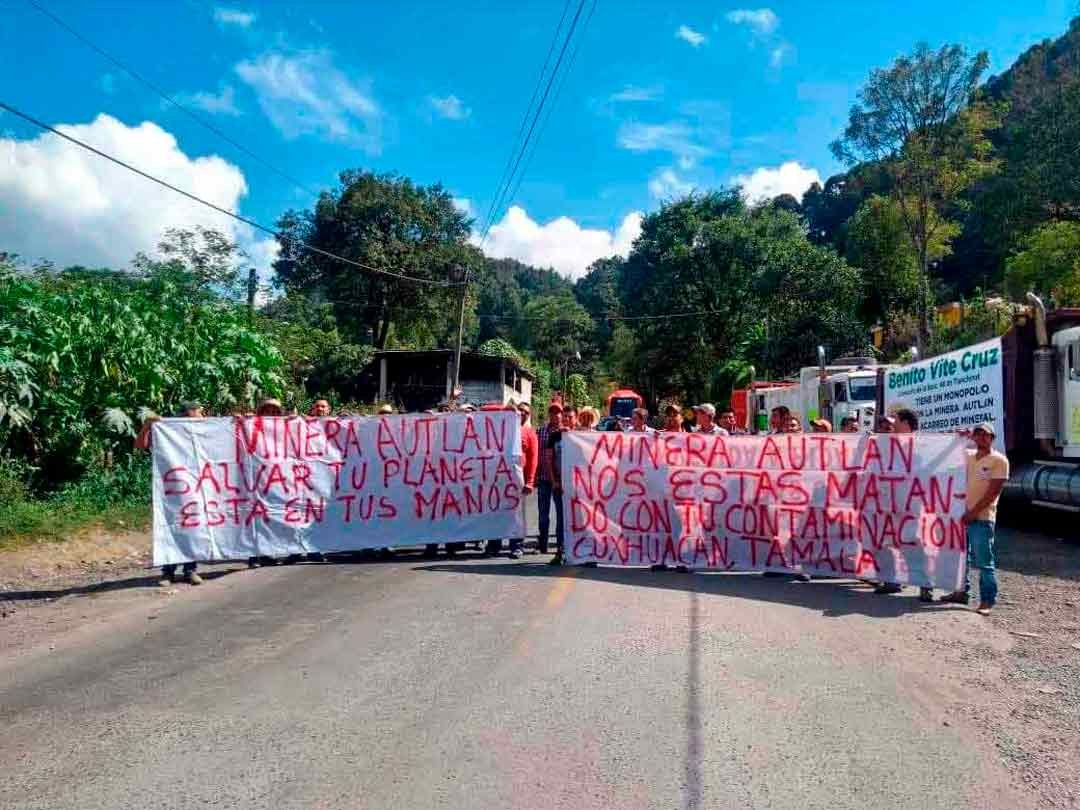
[
  {"x": 851, "y": 393},
  {"x": 1066, "y": 344}
]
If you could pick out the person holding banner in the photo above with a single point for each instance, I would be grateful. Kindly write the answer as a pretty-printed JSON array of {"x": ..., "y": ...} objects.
[
  {"x": 673, "y": 422},
  {"x": 729, "y": 423},
  {"x": 779, "y": 419},
  {"x": 143, "y": 441},
  {"x": 639, "y": 421},
  {"x": 553, "y": 459},
  {"x": 904, "y": 421},
  {"x": 987, "y": 472},
  {"x": 544, "y": 478},
  {"x": 705, "y": 414},
  {"x": 529, "y": 454}
]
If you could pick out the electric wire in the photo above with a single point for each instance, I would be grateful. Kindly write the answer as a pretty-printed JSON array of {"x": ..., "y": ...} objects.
[
  {"x": 536, "y": 116},
  {"x": 554, "y": 102},
  {"x": 170, "y": 99},
  {"x": 247, "y": 221},
  {"x": 503, "y": 179}
]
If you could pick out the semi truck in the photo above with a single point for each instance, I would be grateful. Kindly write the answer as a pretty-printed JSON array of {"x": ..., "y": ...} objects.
[
  {"x": 1040, "y": 376},
  {"x": 846, "y": 387}
]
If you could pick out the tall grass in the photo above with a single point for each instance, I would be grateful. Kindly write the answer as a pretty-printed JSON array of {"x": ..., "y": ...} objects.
[{"x": 112, "y": 497}]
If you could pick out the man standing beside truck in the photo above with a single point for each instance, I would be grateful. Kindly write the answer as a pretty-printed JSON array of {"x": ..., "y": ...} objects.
[{"x": 987, "y": 472}]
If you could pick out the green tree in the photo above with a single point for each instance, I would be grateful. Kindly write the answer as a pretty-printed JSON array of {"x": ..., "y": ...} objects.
[
  {"x": 735, "y": 273},
  {"x": 202, "y": 259},
  {"x": 85, "y": 354},
  {"x": 921, "y": 121},
  {"x": 555, "y": 328},
  {"x": 1049, "y": 264},
  {"x": 598, "y": 292},
  {"x": 878, "y": 244},
  {"x": 386, "y": 222}
]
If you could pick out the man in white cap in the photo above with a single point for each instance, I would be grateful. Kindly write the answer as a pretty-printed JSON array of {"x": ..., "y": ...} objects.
[
  {"x": 705, "y": 416},
  {"x": 987, "y": 472}
]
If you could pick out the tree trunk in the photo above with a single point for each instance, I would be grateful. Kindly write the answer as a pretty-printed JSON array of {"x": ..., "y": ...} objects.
[
  {"x": 924, "y": 299},
  {"x": 382, "y": 331}
]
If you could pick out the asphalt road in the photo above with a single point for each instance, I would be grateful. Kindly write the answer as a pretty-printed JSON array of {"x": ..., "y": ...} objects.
[{"x": 494, "y": 684}]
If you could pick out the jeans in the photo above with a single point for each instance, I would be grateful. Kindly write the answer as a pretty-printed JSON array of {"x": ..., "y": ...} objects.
[
  {"x": 544, "y": 499},
  {"x": 980, "y": 551}
]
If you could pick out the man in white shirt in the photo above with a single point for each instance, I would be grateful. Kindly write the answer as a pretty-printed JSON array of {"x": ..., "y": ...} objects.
[
  {"x": 705, "y": 415},
  {"x": 639, "y": 421}
]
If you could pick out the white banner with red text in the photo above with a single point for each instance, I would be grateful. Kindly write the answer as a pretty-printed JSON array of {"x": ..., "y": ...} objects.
[
  {"x": 881, "y": 507},
  {"x": 227, "y": 489}
]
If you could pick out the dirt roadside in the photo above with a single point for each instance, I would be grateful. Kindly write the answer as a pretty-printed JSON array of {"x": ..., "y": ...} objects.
[{"x": 1018, "y": 684}]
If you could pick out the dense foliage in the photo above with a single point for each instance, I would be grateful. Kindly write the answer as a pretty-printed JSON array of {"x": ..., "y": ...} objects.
[{"x": 85, "y": 353}]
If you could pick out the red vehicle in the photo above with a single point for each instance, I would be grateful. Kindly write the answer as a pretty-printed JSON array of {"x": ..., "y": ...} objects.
[
  {"x": 746, "y": 417},
  {"x": 621, "y": 403}
]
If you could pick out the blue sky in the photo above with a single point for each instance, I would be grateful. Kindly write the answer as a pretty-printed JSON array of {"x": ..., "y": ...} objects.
[{"x": 662, "y": 98}]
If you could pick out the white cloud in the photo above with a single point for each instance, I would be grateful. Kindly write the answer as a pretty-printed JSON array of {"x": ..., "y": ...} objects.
[
  {"x": 221, "y": 103},
  {"x": 765, "y": 183},
  {"x": 305, "y": 94},
  {"x": 666, "y": 184},
  {"x": 779, "y": 55},
  {"x": 676, "y": 137},
  {"x": 561, "y": 243},
  {"x": 634, "y": 93},
  {"x": 465, "y": 206},
  {"x": 449, "y": 107},
  {"x": 232, "y": 16},
  {"x": 69, "y": 206},
  {"x": 688, "y": 34},
  {"x": 761, "y": 21}
]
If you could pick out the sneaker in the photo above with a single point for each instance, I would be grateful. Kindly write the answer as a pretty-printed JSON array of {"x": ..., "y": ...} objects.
[
  {"x": 193, "y": 578},
  {"x": 955, "y": 598},
  {"x": 515, "y": 555},
  {"x": 165, "y": 582},
  {"x": 983, "y": 609},
  {"x": 888, "y": 587},
  {"x": 926, "y": 595}
]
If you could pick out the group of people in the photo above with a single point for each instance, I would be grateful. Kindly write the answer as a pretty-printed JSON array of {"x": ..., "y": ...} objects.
[{"x": 987, "y": 472}]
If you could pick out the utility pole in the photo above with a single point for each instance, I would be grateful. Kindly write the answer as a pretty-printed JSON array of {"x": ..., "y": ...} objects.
[
  {"x": 252, "y": 286},
  {"x": 461, "y": 330}
]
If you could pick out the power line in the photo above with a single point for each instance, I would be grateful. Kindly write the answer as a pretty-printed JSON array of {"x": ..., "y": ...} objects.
[
  {"x": 503, "y": 179},
  {"x": 665, "y": 316},
  {"x": 536, "y": 117},
  {"x": 186, "y": 110},
  {"x": 555, "y": 100},
  {"x": 249, "y": 222}
]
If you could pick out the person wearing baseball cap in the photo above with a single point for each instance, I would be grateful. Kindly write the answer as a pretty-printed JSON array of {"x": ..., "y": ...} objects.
[
  {"x": 705, "y": 416},
  {"x": 987, "y": 472}
]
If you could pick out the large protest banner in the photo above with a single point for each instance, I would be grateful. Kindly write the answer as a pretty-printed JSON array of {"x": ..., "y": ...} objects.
[
  {"x": 952, "y": 391},
  {"x": 883, "y": 507},
  {"x": 237, "y": 488}
]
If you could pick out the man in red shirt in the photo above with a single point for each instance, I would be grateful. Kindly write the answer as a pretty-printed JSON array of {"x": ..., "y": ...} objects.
[{"x": 530, "y": 453}]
